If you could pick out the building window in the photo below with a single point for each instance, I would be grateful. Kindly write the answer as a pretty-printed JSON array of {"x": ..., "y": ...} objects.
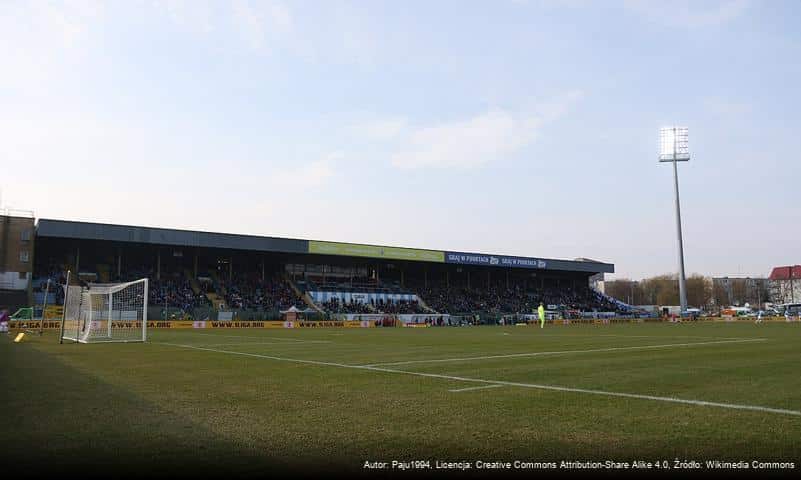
[
  {"x": 26, "y": 235},
  {"x": 23, "y": 256}
]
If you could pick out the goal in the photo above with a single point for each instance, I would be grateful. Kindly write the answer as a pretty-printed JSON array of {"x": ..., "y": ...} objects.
[{"x": 111, "y": 312}]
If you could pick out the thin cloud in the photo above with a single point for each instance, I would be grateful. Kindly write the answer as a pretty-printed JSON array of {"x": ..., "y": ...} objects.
[
  {"x": 313, "y": 174},
  {"x": 478, "y": 140},
  {"x": 467, "y": 143},
  {"x": 727, "y": 108},
  {"x": 255, "y": 22},
  {"x": 381, "y": 129},
  {"x": 40, "y": 41},
  {"x": 194, "y": 15},
  {"x": 688, "y": 13}
]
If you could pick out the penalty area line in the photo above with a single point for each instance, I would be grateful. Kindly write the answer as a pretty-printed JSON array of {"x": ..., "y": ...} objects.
[
  {"x": 283, "y": 344},
  {"x": 469, "y": 389},
  {"x": 252, "y": 337},
  {"x": 756, "y": 408},
  {"x": 559, "y": 352}
]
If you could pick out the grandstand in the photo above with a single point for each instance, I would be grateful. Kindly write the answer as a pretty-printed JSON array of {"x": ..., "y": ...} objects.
[{"x": 200, "y": 274}]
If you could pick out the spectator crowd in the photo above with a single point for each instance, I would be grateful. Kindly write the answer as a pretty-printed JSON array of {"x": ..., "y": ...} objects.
[
  {"x": 247, "y": 291},
  {"x": 175, "y": 293},
  {"x": 251, "y": 293},
  {"x": 513, "y": 300}
]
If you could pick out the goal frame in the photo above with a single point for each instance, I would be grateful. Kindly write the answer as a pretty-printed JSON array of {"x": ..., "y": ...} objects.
[{"x": 86, "y": 312}]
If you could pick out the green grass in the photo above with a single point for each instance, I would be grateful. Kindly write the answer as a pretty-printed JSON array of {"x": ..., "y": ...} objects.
[{"x": 161, "y": 408}]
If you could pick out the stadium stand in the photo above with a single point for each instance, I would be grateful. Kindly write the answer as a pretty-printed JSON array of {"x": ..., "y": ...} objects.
[
  {"x": 613, "y": 303},
  {"x": 400, "y": 307},
  {"x": 199, "y": 273},
  {"x": 248, "y": 292},
  {"x": 175, "y": 292},
  {"x": 513, "y": 300},
  {"x": 334, "y": 305}
]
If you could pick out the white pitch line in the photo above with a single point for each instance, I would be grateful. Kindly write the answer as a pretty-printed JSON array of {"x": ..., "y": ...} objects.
[
  {"x": 567, "y": 335},
  {"x": 469, "y": 389},
  {"x": 257, "y": 337},
  {"x": 269, "y": 357},
  {"x": 298, "y": 344},
  {"x": 756, "y": 408},
  {"x": 559, "y": 352},
  {"x": 663, "y": 336}
]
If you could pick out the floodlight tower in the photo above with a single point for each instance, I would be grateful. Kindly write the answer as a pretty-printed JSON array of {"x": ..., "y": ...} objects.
[{"x": 674, "y": 147}]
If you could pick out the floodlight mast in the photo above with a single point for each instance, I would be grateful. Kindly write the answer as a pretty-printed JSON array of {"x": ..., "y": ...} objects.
[{"x": 675, "y": 148}]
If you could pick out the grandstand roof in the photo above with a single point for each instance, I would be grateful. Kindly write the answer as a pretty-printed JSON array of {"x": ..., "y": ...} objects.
[
  {"x": 187, "y": 238},
  {"x": 786, "y": 273}
]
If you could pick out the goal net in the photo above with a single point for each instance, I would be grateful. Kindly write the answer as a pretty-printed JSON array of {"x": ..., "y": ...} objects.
[{"x": 105, "y": 312}]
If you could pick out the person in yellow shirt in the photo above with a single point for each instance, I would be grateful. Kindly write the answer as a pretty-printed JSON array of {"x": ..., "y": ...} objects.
[{"x": 541, "y": 312}]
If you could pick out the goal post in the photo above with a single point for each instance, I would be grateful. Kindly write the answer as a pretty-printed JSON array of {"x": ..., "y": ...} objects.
[{"x": 113, "y": 312}]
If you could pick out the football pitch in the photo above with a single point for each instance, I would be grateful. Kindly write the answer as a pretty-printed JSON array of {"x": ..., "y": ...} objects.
[{"x": 242, "y": 400}]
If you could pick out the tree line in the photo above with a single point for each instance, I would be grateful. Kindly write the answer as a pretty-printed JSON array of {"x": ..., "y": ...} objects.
[{"x": 702, "y": 292}]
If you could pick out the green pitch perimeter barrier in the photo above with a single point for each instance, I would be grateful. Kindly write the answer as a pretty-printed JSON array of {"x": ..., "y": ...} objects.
[{"x": 25, "y": 313}]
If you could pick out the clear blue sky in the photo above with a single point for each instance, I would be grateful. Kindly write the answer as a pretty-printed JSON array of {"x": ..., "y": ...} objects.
[{"x": 518, "y": 127}]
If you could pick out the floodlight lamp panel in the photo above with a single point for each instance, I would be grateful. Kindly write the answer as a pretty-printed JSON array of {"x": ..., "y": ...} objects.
[{"x": 674, "y": 144}]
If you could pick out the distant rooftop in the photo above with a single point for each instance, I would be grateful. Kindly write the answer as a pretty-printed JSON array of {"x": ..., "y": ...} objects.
[
  {"x": 786, "y": 273},
  {"x": 13, "y": 212}
]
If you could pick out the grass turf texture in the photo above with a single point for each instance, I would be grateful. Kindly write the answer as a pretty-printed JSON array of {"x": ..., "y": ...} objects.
[{"x": 167, "y": 409}]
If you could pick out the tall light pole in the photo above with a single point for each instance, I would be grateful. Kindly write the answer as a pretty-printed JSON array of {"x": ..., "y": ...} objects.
[{"x": 674, "y": 147}]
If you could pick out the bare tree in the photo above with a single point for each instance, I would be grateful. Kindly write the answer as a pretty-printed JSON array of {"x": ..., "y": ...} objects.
[
  {"x": 699, "y": 291},
  {"x": 661, "y": 290},
  {"x": 623, "y": 289},
  {"x": 720, "y": 294},
  {"x": 702, "y": 292}
]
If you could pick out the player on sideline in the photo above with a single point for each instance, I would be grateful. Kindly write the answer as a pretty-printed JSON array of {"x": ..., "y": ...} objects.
[
  {"x": 759, "y": 317},
  {"x": 541, "y": 312}
]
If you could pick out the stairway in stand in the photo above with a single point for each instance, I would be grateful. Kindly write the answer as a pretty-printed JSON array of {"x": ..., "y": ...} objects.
[
  {"x": 193, "y": 282},
  {"x": 103, "y": 273},
  {"x": 215, "y": 299},
  {"x": 216, "y": 279},
  {"x": 423, "y": 304},
  {"x": 305, "y": 296}
]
